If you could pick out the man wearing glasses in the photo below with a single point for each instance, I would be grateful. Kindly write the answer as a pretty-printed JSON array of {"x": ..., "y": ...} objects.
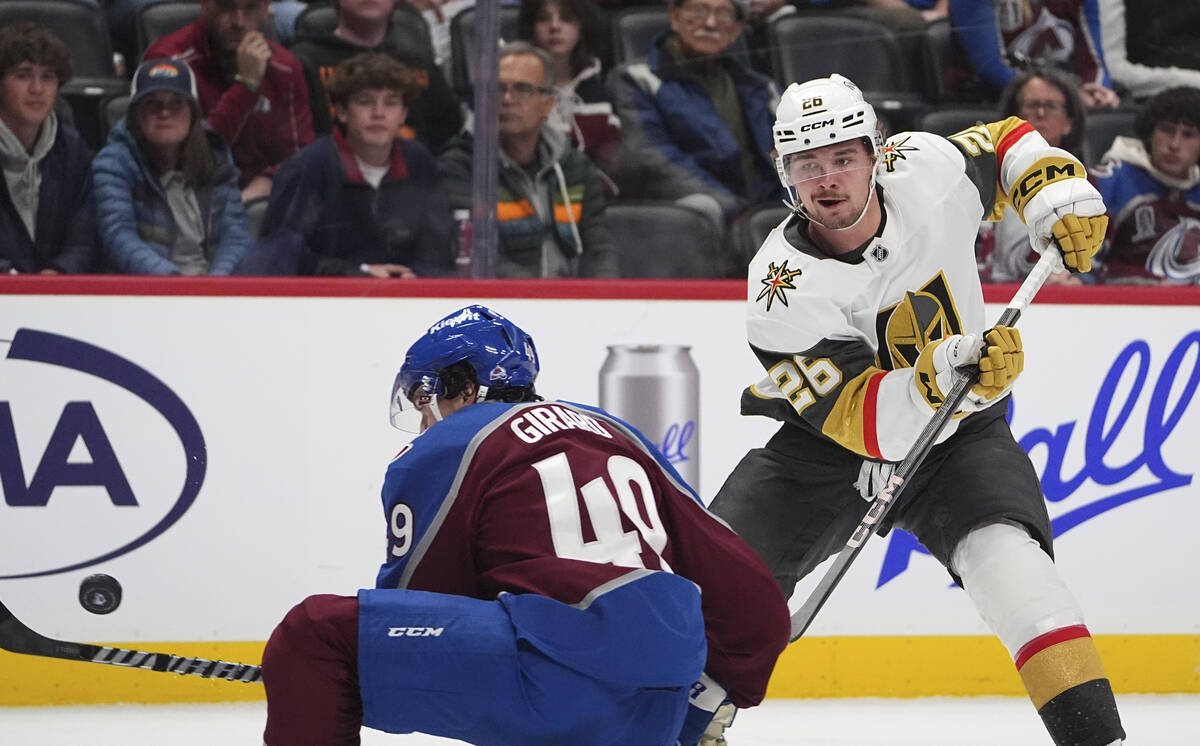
[
  {"x": 695, "y": 120},
  {"x": 550, "y": 200}
]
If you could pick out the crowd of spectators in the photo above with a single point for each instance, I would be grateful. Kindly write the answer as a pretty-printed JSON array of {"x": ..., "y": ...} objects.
[{"x": 254, "y": 143}]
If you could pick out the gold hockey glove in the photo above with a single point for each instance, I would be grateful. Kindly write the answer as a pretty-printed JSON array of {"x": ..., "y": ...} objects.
[
  {"x": 1002, "y": 360},
  {"x": 1079, "y": 238}
]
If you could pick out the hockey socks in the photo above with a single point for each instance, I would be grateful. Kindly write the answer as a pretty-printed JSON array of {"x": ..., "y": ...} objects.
[
  {"x": 1062, "y": 672},
  {"x": 1018, "y": 592}
]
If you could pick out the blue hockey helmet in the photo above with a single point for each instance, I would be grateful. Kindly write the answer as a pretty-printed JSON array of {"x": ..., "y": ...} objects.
[{"x": 500, "y": 354}]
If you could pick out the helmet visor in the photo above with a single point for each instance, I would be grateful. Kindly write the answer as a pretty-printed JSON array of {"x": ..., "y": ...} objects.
[
  {"x": 412, "y": 393},
  {"x": 831, "y": 160}
]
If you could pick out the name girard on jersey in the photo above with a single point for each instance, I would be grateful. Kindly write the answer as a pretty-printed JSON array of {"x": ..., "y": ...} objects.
[{"x": 536, "y": 423}]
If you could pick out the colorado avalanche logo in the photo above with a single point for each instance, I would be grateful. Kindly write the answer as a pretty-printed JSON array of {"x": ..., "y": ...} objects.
[
  {"x": 1176, "y": 256},
  {"x": 497, "y": 374}
]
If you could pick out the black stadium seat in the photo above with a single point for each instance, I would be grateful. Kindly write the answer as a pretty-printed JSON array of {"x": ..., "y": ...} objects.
[
  {"x": 804, "y": 46},
  {"x": 663, "y": 239},
  {"x": 947, "y": 120},
  {"x": 408, "y": 28},
  {"x": 634, "y": 29},
  {"x": 462, "y": 46},
  {"x": 115, "y": 108},
  {"x": 1100, "y": 129},
  {"x": 158, "y": 19}
]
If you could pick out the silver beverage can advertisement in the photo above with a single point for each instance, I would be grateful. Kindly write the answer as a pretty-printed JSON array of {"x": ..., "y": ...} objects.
[{"x": 656, "y": 388}]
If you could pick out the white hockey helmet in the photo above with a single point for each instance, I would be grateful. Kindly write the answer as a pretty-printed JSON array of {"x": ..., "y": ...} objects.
[{"x": 820, "y": 112}]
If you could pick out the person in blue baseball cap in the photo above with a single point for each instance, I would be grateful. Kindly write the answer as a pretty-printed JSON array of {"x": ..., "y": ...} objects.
[{"x": 166, "y": 188}]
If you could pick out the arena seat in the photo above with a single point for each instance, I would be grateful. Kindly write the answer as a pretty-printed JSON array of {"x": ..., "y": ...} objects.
[
  {"x": 663, "y": 239},
  {"x": 408, "y": 29}
]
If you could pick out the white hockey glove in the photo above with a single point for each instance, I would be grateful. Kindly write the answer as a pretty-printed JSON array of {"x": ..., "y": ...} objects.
[
  {"x": 1001, "y": 358},
  {"x": 873, "y": 476},
  {"x": 1069, "y": 212}
]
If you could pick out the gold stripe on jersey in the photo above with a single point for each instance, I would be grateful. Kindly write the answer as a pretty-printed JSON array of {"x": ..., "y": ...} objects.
[
  {"x": 846, "y": 422},
  {"x": 1043, "y": 171}
]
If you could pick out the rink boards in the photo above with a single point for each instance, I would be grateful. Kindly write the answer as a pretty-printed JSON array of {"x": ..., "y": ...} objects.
[{"x": 218, "y": 447}]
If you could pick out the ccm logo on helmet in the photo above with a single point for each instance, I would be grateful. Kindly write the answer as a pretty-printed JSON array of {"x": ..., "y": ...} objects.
[{"x": 815, "y": 125}]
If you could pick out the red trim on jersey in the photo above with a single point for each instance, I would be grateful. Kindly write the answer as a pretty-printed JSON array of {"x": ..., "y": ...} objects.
[
  {"x": 1050, "y": 639},
  {"x": 870, "y": 409},
  {"x": 1008, "y": 141}
]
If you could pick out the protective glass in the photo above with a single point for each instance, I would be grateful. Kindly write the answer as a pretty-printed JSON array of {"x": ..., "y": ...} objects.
[
  {"x": 412, "y": 393},
  {"x": 803, "y": 166}
]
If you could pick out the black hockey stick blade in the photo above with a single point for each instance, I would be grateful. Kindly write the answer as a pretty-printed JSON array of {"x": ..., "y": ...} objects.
[
  {"x": 15, "y": 637},
  {"x": 883, "y": 502}
]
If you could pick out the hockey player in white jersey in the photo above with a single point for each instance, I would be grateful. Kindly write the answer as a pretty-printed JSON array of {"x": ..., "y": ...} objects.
[{"x": 861, "y": 304}]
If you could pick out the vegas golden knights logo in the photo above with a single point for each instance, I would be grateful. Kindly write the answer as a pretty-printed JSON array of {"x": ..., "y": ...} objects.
[{"x": 924, "y": 315}]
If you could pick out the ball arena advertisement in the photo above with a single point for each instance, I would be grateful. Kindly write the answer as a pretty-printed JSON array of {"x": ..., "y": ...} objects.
[{"x": 217, "y": 452}]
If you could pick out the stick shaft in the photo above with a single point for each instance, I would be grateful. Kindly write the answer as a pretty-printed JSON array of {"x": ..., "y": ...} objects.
[
  {"x": 883, "y": 502},
  {"x": 15, "y": 637}
]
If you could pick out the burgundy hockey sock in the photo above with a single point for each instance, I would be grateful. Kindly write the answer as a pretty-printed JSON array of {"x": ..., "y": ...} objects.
[
  {"x": 1062, "y": 672},
  {"x": 310, "y": 670}
]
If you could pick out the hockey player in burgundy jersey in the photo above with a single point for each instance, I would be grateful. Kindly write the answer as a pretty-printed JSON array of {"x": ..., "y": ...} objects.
[
  {"x": 548, "y": 578},
  {"x": 860, "y": 306}
]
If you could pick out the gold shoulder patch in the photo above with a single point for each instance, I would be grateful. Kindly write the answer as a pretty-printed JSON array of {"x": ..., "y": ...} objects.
[
  {"x": 778, "y": 280},
  {"x": 896, "y": 150}
]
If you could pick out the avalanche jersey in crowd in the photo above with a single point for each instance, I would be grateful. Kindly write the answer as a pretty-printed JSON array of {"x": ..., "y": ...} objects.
[
  {"x": 839, "y": 336},
  {"x": 558, "y": 499},
  {"x": 1154, "y": 228}
]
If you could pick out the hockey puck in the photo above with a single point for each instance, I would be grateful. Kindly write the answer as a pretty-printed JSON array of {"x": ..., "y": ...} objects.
[{"x": 100, "y": 593}]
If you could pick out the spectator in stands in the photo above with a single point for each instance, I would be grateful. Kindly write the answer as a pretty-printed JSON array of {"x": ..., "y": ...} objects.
[
  {"x": 47, "y": 223},
  {"x": 696, "y": 122},
  {"x": 550, "y": 202},
  {"x": 1049, "y": 100},
  {"x": 1001, "y": 36},
  {"x": 252, "y": 90},
  {"x": 1151, "y": 184},
  {"x": 167, "y": 197},
  {"x": 566, "y": 30},
  {"x": 122, "y": 19},
  {"x": 361, "y": 201},
  {"x": 1139, "y": 80},
  {"x": 435, "y": 114}
]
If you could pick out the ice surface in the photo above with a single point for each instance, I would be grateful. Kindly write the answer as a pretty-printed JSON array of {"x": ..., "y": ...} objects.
[{"x": 1151, "y": 720}]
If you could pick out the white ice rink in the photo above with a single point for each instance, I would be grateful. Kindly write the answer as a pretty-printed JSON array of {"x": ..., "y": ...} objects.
[{"x": 1150, "y": 720}]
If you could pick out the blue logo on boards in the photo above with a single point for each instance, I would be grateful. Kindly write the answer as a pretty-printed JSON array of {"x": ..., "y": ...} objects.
[
  {"x": 1170, "y": 396},
  {"x": 79, "y": 422}
]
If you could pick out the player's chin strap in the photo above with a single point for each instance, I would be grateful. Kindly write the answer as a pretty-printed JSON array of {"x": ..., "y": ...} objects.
[
  {"x": 798, "y": 207},
  {"x": 480, "y": 395}
]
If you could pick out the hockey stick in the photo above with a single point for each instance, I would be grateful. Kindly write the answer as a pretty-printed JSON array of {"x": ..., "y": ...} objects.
[
  {"x": 883, "y": 502},
  {"x": 15, "y": 637}
]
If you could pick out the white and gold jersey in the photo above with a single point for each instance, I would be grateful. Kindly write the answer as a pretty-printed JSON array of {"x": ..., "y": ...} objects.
[{"x": 839, "y": 336}]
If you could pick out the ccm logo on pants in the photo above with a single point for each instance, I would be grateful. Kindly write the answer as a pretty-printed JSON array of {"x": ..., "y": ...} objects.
[{"x": 415, "y": 631}]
